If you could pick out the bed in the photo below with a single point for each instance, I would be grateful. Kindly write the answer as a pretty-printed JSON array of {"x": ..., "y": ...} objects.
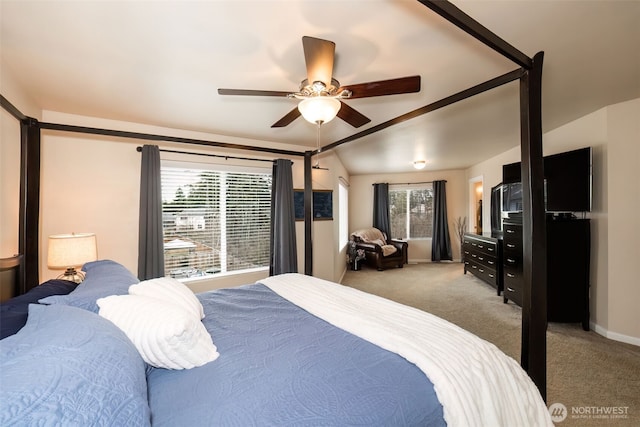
[{"x": 288, "y": 350}]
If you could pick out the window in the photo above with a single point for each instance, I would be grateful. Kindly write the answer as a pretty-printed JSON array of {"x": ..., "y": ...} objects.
[
  {"x": 214, "y": 221},
  {"x": 343, "y": 202},
  {"x": 411, "y": 211}
]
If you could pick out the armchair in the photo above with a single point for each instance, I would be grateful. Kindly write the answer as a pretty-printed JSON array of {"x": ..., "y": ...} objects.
[{"x": 380, "y": 253}]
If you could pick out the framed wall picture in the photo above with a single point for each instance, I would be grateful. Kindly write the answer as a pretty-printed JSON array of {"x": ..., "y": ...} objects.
[{"x": 322, "y": 205}]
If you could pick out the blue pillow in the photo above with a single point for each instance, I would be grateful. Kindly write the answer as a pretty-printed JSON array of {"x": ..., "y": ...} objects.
[
  {"x": 13, "y": 313},
  {"x": 103, "y": 278},
  {"x": 68, "y": 366}
]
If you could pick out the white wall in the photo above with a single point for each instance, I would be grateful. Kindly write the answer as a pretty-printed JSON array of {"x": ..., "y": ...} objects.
[
  {"x": 361, "y": 204},
  {"x": 613, "y": 133}
]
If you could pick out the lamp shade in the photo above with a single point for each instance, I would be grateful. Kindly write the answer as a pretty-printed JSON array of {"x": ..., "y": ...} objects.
[
  {"x": 71, "y": 250},
  {"x": 319, "y": 109}
]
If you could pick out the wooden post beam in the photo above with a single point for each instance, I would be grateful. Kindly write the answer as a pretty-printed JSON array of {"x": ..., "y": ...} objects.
[
  {"x": 534, "y": 304},
  {"x": 29, "y": 221},
  {"x": 308, "y": 218}
]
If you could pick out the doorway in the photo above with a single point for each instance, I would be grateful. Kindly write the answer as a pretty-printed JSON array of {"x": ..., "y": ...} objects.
[{"x": 476, "y": 195}]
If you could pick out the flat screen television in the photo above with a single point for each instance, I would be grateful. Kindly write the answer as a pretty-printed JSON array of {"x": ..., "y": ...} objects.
[{"x": 567, "y": 183}]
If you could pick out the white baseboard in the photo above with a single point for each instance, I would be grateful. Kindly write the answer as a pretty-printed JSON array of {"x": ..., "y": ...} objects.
[{"x": 614, "y": 335}]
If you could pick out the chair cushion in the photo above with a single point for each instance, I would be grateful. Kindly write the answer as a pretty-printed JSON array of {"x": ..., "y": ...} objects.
[
  {"x": 388, "y": 250},
  {"x": 371, "y": 235}
]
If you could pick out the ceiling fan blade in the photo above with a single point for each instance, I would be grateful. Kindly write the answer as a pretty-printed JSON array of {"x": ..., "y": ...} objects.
[
  {"x": 288, "y": 118},
  {"x": 351, "y": 116},
  {"x": 318, "y": 55},
  {"x": 384, "y": 87},
  {"x": 249, "y": 92}
]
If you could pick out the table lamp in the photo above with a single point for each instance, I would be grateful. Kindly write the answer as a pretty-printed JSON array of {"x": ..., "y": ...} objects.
[{"x": 69, "y": 251}]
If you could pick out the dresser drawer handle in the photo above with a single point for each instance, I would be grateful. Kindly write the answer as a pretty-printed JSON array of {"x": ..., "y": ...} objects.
[
  {"x": 474, "y": 266},
  {"x": 490, "y": 262},
  {"x": 511, "y": 276},
  {"x": 510, "y": 231},
  {"x": 474, "y": 255},
  {"x": 474, "y": 244},
  {"x": 511, "y": 245},
  {"x": 481, "y": 270},
  {"x": 510, "y": 289},
  {"x": 481, "y": 246},
  {"x": 490, "y": 249},
  {"x": 511, "y": 260},
  {"x": 481, "y": 258},
  {"x": 491, "y": 275}
]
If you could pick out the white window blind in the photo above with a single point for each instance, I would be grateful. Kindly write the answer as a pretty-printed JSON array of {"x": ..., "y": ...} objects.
[
  {"x": 214, "y": 221},
  {"x": 411, "y": 210}
]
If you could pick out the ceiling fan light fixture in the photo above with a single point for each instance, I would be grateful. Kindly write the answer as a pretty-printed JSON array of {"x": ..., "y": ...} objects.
[
  {"x": 419, "y": 164},
  {"x": 319, "y": 109}
]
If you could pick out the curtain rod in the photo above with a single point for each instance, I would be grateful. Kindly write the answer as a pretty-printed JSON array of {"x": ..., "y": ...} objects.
[
  {"x": 411, "y": 183},
  {"x": 139, "y": 149}
]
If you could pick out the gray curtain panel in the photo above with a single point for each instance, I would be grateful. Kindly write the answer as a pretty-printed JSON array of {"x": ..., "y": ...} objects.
[
  {"x": 381, "y": 208},
  {"x": 283, "y": 252},
  {"x": 150, "y": 237},
  {"x": 440, "y": 242}
]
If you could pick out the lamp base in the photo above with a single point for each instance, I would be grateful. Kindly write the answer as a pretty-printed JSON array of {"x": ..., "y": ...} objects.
[{"x": 72, "y": 275}]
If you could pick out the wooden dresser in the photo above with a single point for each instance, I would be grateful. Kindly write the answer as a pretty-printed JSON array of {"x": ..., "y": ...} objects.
[
  {"x": 568, "y": 253},
  {"x": 482, "y": 256}
]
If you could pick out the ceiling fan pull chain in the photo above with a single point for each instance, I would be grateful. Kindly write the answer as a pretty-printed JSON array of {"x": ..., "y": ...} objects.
[{"x": 317, "y": 165}]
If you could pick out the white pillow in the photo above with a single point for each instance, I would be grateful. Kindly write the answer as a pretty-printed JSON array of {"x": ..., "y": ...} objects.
[
  {"x": 165, "y": 335},
  {"x": 169, "y": 290}
]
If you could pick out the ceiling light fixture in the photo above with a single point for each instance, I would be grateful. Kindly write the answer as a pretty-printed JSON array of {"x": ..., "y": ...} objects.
[
  {"x": 419, "y": 164},
  {"x": 319, "y": 109}
]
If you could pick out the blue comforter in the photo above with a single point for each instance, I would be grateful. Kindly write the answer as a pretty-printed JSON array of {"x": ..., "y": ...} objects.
[{"x": 280, "y": 365}]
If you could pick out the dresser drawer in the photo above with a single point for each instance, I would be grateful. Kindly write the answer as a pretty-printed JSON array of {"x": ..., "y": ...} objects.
[
  {"x": 480, "y": 246},
  {"x": 513, "y": 280},
  {"x": 482, "y": 272},
  {"x": 482, "y": 258},
  {"x": 513, "y": 233},
  {"x": 512, "y": 293},
  {"x": 511, "y": 246},
  {"x": 512, "y": 260}
]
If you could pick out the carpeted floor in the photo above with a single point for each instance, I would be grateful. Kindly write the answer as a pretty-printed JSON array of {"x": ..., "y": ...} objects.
[{"x": 596, "y": 379}]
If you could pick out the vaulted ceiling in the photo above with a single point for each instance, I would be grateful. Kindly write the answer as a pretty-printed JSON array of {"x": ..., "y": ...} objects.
[{"x": 161, "y": 63}]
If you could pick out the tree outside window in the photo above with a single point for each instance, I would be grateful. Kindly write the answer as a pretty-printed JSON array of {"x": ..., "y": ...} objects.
[{"x": 411, "y": 211}]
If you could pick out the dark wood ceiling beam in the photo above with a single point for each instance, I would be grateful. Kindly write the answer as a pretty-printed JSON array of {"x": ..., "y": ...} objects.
[
  {"x": 472, "y": 27},
  {"x": 154, "y": 137},
  {"x": 452, "y": 99},
  {"x": 11, "y": 109}
]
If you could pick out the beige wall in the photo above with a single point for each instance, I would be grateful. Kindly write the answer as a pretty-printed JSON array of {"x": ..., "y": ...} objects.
[
  {"x": 9, "y": 184},
  {"x": 361, "y": 204},
  {"x": 91, "y": 184},
  {"x": 613, "y": 133},
  {"x": 623, "y": 190}
]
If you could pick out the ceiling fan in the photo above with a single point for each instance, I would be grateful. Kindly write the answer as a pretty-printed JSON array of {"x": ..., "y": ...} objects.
[{"x": 322, "y": 96}]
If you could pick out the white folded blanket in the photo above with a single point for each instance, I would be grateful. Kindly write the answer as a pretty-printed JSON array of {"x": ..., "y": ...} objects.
[{"x": 476, "y": 383}]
